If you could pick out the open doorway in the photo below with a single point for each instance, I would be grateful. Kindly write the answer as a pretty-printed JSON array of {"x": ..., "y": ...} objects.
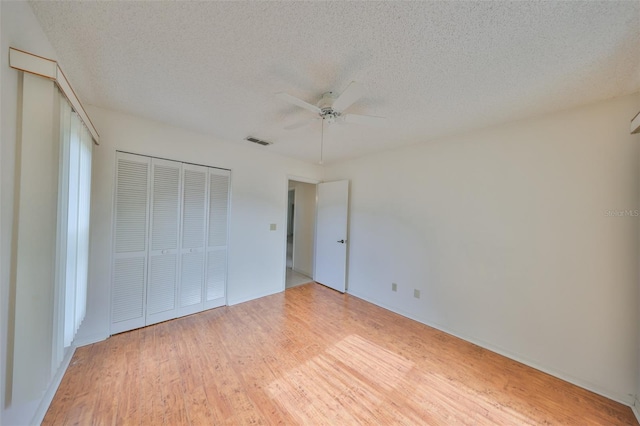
[{"x": 301, "y": 224}]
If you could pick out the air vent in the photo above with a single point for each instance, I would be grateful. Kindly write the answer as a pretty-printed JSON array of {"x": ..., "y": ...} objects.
[{"x": 258, "y": 141}]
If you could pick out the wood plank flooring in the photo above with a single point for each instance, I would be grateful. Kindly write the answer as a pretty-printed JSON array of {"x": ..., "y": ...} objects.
[{"x": 311, "y": 356}]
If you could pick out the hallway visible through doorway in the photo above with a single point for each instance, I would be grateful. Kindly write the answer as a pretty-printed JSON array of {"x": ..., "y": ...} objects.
[{"x": 301, "y": 205}]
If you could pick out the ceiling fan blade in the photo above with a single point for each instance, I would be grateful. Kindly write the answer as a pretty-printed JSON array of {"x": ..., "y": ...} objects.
[
  {"x": 301, "y": 124},
  {"x": 351, "y": 94},
  {"x": 298, "y": 102},
  {"x": 370, "y": 120}
]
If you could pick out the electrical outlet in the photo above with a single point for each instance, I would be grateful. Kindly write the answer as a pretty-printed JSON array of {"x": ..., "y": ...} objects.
[
  {"x": 272, "y": 227},
  {"x": 416, "y": 293},
  {"x": 394, "y": 287}
]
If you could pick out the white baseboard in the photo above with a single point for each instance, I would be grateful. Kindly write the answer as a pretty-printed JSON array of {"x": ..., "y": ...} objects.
[
  {"x": 636, "y": 409},
  {"x": 626, "y": 400},
  {"x": 90, "y": 340},
  {"x": 301, "y": 272},
  {"x": 239, "y": 300}
]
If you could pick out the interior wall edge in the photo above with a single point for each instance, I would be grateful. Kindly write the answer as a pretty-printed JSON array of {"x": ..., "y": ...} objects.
[{"x": 607, "y": 393}]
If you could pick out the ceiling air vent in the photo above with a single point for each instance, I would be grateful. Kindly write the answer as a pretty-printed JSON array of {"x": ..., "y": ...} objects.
[{"x": 258, "y": 141}]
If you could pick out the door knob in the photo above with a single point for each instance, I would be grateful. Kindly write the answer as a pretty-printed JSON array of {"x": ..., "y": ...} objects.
[{"x": 341, "y": 241}]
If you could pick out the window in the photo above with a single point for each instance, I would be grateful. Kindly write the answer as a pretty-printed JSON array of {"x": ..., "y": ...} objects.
[{"x": 73, "y": 218}]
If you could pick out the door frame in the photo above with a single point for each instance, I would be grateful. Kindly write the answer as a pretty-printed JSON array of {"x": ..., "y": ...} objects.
[
  {"x": 286, "y": 213},
  {"x": 293, "y": 225}
]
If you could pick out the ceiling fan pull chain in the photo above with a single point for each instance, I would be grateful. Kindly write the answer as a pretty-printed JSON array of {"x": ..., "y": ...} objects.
[{"x": 321, "y": 139}]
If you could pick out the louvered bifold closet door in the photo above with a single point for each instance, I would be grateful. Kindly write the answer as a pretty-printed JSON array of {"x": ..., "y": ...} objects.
[
  {"x": 162, "y": 283},
  {"x": 216, "y": 275},
  {"x": 130, "y": 242},
  {"x": 194, "y": 225}
]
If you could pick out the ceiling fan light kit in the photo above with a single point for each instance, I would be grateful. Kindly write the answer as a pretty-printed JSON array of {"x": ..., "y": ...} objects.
[
  {"x": 330, "y": 109},
  {"x": 327, "y": 113}
]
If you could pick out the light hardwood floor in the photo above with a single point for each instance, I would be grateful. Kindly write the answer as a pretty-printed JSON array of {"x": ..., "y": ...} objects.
[{"x": 311, "y": 356}]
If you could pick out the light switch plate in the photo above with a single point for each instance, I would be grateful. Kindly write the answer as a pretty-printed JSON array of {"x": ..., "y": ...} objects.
[
  {"x": 416, "y": 293},
  {"x": 272, "y": 227}
]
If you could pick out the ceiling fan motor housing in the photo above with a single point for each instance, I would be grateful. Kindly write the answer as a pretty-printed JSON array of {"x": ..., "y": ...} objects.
[{"x": 325, "y": 104}]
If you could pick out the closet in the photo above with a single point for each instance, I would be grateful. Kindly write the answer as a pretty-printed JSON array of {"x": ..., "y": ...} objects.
[{"x": 170, "y": 240}]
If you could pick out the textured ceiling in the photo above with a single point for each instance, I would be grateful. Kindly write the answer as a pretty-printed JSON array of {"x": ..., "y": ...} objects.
[{"x": 432, "y": 68}]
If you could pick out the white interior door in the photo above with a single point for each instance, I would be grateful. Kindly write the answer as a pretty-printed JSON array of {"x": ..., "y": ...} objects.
[
  {"x": 130, "y": 242},
  {"x": 331, "y": 234},
  {"x": 216, "y": 267},
  {"x": 162, "y": 285},
  {"x": 194, "y": 225}
]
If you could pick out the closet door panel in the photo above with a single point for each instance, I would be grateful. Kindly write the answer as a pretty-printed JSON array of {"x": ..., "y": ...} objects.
[
  {"x": 128, "y": 290},
  {"x": 194, "y": 226},
  {"x": 217, "y": 238},
  {"x": 130, "y": 244},
  {"x": 165, "y": 209},
  {"x": 192, "y": 281},
  {"x": 162, "y": 286},
  {"x": 216, "y": 275},
  {"x": 218, "y": 207}
]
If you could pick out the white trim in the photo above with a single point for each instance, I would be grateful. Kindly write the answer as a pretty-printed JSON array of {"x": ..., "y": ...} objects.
[
  {"x": 90, "y": 340},
  {"x": 635, "y": 410},
  {"x": 34, "y": 64},
  {"x": 48, "y": 68},
  {"x": 65, "y": 87},
  {"x": 293, "y": 230},
  {"x": 285, "y": 223},
  {"x": 635, "y": 124},
  {"x": 252, "y": 297},
  {"x": 558, "y": 374},
  {"x": 302, "y": 179}
]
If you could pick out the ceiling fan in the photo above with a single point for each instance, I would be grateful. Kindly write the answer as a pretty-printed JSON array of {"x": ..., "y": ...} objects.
[{"x": 331, "y": 108}]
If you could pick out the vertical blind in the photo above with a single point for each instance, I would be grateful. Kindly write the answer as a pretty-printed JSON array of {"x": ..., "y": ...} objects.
[{"x": 74, "y": 201}]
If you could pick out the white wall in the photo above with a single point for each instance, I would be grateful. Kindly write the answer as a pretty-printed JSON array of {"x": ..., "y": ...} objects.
[
  {"x": 258, "y": 199},
  {"x": 505, "y": 234},
  {"x": 18, "y": 28},
  {"x": 305, "y": 226}
]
